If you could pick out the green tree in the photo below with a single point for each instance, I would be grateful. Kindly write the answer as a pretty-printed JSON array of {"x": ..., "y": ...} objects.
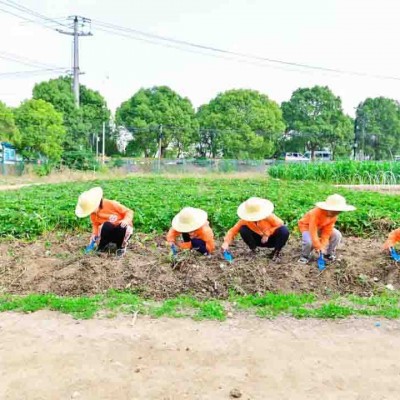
[
  {"x": 81, "y": 123},
  {"x": 42, "y": 129},
  {"x": 239, "y": 123},
  {"x": 158, "y": 112},
  {"x": 314, "y": 116},
  {"x": 8, "y": 130},
  {"x": 378, "y": 127}
]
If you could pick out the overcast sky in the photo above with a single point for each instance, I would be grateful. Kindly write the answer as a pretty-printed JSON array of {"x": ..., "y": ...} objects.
[{"x": 357, "y": 35}]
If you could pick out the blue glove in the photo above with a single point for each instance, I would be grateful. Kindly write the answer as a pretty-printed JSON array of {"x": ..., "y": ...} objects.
[
  {"x": 174, "y": 250},
  {"x": 91, "y": 245},
  {"x": 321, "y": 262},
  {"x": 228, "y": 256},
  {"x": 395, "y": 256}
]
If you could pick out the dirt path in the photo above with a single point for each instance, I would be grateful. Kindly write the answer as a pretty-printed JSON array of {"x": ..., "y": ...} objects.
[{"x": 51, "y": 356}]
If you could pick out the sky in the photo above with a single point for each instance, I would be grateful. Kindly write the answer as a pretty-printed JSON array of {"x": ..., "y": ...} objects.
[{"x": 356, "y": 35}]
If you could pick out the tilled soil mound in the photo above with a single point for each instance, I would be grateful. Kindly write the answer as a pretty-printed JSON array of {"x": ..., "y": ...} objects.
[{"x": 56, "y": 264}]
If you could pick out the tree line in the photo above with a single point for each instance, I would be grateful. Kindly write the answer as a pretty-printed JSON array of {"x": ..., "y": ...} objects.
[{"x": 237, "y": 124}]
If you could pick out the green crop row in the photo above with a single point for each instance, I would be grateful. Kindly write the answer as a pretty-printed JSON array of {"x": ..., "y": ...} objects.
[
  {"x": 268, "y": 305},
  {"x": 32, "y": 211},
  {"x": 350, "y": 172}
]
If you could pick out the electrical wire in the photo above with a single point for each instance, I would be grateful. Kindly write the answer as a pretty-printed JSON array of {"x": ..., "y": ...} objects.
[
  {"x": 30, "y": 73},
  {"x": 169, "y": 40},
  {"x": 26, "y": 10},
  {"x": 26, "y": 61},
  {"x": 220, "y": 56}
]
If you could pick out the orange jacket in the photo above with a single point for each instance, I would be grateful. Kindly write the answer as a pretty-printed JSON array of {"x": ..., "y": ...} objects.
[
  {"x": 393, "y": 238},
  {"x": 113, "y": 212},
  {"x": 204, "y": 233},
  {"x": 316, "y": 221},
  {"x": 265, "y": 227}
]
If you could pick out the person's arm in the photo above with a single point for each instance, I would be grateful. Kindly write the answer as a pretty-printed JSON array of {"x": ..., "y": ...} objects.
[
  {"x": 326, "y": 233},
  {"x": 313, "y": 229},
  {"x": 172, "y": 235},
  {"x": 231, "y": 234},
  {"x": 274, "y": 223},
  {"x": 126, "y": 214},
  {"x": 209, "y": 239},
  {"x": 95, "y": 227},
  {"x": 392, "y": 239}
]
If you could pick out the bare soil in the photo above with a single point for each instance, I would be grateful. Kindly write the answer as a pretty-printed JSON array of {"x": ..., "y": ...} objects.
[
  {"x": 385, "y": 189},
  {"x": 47, "y": 356},
  {"x": 56, "y": 264}
]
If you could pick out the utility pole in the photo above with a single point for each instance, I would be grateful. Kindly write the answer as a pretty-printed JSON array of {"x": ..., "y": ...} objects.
[
  {"x": 97, "y": 148},
  {"x": 77, "y": 29},
  {"x": 103, "y": 160},
  {"x": 159, "y": 147}
]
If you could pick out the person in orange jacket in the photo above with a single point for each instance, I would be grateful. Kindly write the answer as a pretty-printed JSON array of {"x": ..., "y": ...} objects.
[
  {"x": 318, "y": 228},
  {"x": 393, "y": 238},
  {"x": 193, "y": 226},
  {"x": 111, "y": 221},
  {"x": 259, "y": 227}
]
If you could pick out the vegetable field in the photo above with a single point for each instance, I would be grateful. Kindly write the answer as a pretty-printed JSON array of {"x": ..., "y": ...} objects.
[
  {"x": 346, "y": 172},
  {"x": 32, "y": 211}
]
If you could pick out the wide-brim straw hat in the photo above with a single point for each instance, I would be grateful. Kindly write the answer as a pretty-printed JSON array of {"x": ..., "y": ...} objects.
[
  {"x": 255, "y": 209},
  {"x": 88, "y": 202},
  {"x": 335, "y": 202},
  {"x": 189, "y": 219}
]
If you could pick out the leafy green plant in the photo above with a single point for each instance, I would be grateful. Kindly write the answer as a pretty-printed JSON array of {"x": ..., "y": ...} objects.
[
  {"x": 32, "y": 211},
  {"x": 350, "y": 172}
]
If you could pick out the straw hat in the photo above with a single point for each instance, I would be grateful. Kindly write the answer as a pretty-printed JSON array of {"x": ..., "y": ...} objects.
[
  {"x": 189, "y": 219},
  {"x": 335, "y": 202},
  {"x": 88, "y": 202},
  {"x": 255, "y": 209}
]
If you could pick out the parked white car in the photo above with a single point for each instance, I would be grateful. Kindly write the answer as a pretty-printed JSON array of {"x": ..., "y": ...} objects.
[{"x": 296, "y": 157}]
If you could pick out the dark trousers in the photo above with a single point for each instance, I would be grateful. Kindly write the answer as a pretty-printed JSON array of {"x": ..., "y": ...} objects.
[
  {"x": 277, "y": 240},
  {"x": 111, "y": 234},
  {"x": 197, "y": 244}
]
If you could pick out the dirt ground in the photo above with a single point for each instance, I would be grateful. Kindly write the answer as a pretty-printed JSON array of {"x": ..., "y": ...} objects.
[
  {"x": 47, "y": 356},
  {"x": 385, "y": 189},
  {"x": 56, "y": 264}
]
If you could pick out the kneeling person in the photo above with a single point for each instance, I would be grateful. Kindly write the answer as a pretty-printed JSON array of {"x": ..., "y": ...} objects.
[
  {"x": 192, "y": 225},
  {"x": 393, "y": 238},
  {"x": 111, "y": 221},
  {"x": 259, "y": 227},
  {"x": 318, "y": 228}
]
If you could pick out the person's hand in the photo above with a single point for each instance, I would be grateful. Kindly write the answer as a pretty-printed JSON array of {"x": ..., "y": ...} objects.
[
  {"x": 94, "y": 238},
  {"x": 124, "y": 223},
  {"x": 264, "y": 239},
  {"x": 316, "y": 253},
  {"x": 174, "y": 249},
  {"x": 225, "y": 246}
]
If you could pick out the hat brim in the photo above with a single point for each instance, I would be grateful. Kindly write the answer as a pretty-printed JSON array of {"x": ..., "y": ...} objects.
[
  {"x": 200, "y": 218},
  {"x": 266, "y": 211},
  {"x": 327, "y": 207},
  {"x": 96, "y": 196}
]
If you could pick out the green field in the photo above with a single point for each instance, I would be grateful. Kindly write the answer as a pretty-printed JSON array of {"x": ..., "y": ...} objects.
[
  {"x": 350, "y": 172},
  {"x": 32, "y": 211}
]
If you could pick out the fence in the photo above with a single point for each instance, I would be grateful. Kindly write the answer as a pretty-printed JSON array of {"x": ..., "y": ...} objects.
[{"x": 182, "y": 166}]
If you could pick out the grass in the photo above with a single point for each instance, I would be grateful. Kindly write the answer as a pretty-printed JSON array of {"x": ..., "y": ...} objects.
[
  {"x": 344, "y": 172},
  {"x": 33, "y": 211},
  {"x": 268, "y": 305}
]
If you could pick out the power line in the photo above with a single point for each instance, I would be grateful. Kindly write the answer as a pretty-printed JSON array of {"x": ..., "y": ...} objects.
[
  {"x": 147, "y": 35},
  {"x": 30, "y": 73},
  {"x": 26, "y": 10},
  {"x": 186, "y": 50},
  {"x": 26, "y": 61}
]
